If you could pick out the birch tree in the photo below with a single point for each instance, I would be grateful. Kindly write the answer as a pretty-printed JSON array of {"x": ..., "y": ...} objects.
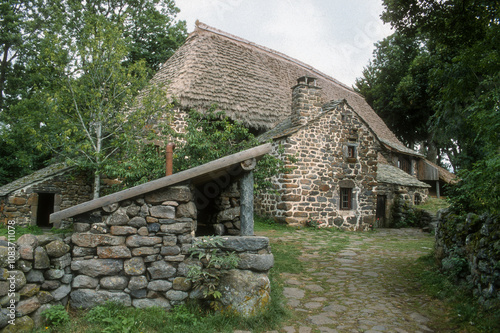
[{"x": 94, "y": 118}]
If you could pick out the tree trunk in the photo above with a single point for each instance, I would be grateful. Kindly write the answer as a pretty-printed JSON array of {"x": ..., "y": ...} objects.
[
  {"x": 97, "y": 173},
  {"x": 432, "y": 150}
]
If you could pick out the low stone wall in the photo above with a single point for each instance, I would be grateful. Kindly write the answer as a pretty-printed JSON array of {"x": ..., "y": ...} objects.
[
  {"x": 468, "y": 248},
  {"x": 135, "y": 252},
  {"x": 40, "y": 277}
]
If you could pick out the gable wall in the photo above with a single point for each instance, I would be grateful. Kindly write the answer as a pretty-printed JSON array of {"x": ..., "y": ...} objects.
[{"x": 312, "y": 189}]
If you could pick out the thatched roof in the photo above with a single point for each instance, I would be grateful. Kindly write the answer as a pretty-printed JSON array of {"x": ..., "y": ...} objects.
[{"x": 250, "y": 82}]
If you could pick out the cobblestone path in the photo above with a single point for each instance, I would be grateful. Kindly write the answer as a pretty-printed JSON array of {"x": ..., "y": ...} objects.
[{"x": 355, "y": 282}]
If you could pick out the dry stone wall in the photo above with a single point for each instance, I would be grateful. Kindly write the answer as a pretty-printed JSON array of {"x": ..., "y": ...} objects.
[
  {"x": 135, "y": 252},
  {"x": 40, "y": 277}
]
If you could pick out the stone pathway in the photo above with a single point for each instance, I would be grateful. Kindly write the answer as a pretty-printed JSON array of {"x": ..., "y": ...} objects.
[{"x": 360, "y": 288}]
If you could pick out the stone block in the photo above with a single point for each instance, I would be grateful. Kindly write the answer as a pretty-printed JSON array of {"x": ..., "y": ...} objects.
[
  {"x": 159, "y": 285},
  {"x": 142, "y": 303},
  {"x": 84, "y": 281},
  {"x": 29, "y": 290},
  {"x": 177, "y": 228},
  {"x": 87, "y": 298},
  {"x": 228, "y": 215},
  {"x": 170, "y": 250},
  {"x": 161, "y": 270},
  {"x": 187, "y": 210},
  {"x": 61, "y": 292},
  {"x": 137, "y": 283},
  {"x": 27, "y": 306},
  {"x": 61, "y": 262},
  {"x": 181, "y": 283},
  {"x": 94, "y": 240},
  {"x": 176, "y": 295},
  {"x": 57, "y": 248},
  {"x": 145, "y": 251},
  {"x": 53, "y": 274},
  {"x": 162, "y": 212},
  {"x": 51, "y": 284},
  {"x": 84, "y": 251},
  {"x": 113, "y": 252},
  {"x": 245, "y": 243},
  {"x": 138, "y": 241},
  {"x": 120, "y": 230},
  {"x": 256, "y": 262},
  {"x": 44, "y": 297},
  {"x": 97, "y": 267},
  {"x": 27, "y": 240},
  {"x": 137, "y": 222},
  {"x": 173, "y": 193},
  {"x": 118, "y": 218},
  {"x": 134, "y": 266},
  {"x": 114, "y": 282},
  {"x": 41, "y": 259},
  {"x": 35, "y": 276}
]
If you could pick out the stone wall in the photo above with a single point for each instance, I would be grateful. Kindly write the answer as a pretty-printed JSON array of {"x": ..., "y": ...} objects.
[
  {"x": 40, "y": 277},
  {"x": 311, "y": 190},
  {"x": 69, "y": 189},
  {"x": 468, "y": 248},
  {"x": 135, "y": 252}
]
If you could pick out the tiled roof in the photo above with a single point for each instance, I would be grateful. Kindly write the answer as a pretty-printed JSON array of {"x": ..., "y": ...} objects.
[{"x": 251, "y": 83}]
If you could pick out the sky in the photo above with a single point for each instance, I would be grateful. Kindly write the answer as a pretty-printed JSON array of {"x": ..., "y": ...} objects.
[{"x": 334, "y": 36}]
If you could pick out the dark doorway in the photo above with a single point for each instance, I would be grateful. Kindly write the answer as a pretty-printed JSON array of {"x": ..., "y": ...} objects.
[
  {"x": 45, "y": 208},
  {"x": 380, "y": 214}
]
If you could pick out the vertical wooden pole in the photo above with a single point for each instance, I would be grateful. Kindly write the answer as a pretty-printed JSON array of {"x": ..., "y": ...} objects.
[
  {"x": 246, "y": 209},
  {"x": 169, "y": 152}
]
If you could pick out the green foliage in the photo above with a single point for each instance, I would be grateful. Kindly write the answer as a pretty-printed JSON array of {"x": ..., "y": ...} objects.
[
  {"x": 60, "y": 58},
  {"x": 113, "y": 318},
  {"x": 214, "y": 265},
  {"x": 19, "y": 231},
  {"x": 55, "y": 315},
  {"x": 213, "y": 135}
]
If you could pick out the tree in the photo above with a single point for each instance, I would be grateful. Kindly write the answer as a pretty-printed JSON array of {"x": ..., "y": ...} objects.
[
  {"x": 95, "y": 118},
  {"x": 31, "y": 31},
  {"x": 462, "y": 75}
]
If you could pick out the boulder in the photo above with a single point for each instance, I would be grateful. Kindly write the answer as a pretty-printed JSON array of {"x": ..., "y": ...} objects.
[
  {"x": 244, "y": 292},
  {"x": 96, "y": 267},
  {"x": 57, "y": 248}
]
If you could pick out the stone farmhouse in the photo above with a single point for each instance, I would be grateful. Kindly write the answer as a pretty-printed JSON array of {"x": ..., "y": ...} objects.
[{"x": 350, "y": 166}]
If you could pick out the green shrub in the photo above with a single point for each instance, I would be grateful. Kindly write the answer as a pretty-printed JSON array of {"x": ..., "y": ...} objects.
[{"x": 55, "y": 315}]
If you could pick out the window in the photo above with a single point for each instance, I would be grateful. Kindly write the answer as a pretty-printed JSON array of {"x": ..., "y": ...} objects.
[
  {"x": 351, "y": 152},
  {"x": 404, "y": 165},
  {"x": 345, "y": 198}
]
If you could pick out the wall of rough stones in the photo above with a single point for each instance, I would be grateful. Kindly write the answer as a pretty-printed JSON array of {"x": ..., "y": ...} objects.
[
  {"x": 136, "y": 252},
  {"x": 468, "y": 248},
  {"x": 70, "y": 189},
  {"x": 311, "y": 190},
  {"x": 41, "y": 277}
]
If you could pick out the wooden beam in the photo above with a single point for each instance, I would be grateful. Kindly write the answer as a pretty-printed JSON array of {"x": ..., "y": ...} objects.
[{"x": 199, "y": 171}]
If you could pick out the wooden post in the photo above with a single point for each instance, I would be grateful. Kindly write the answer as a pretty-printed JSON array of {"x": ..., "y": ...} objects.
[
  {"x": 246, "y": 198},
  {"x": 169, "y": 152}
]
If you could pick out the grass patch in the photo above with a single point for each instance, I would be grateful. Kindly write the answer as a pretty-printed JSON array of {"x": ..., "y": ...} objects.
[
  {"x": 434, "y": 204},
  {"x": 466, "y": 314},
  {"x": 19, "y": 231}
]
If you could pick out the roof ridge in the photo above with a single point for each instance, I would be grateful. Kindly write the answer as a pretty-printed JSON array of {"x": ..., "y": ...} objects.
[{"x": 202, "y": 26}]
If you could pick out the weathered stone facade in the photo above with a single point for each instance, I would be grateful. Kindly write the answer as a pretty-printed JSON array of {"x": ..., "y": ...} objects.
[{"x": 27, "y": 202}]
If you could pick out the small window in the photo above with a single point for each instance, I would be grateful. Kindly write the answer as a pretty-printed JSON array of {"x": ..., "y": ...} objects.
[
  {"x": 345, "y": 198},
  {"x": 351, "y": 151}
]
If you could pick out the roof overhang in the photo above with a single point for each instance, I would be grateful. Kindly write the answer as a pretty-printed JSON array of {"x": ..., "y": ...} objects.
[{"x": 197, "y": 175}]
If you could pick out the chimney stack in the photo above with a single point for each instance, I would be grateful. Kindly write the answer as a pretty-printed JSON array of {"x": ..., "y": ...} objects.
[{"x": 306, "y": 100}]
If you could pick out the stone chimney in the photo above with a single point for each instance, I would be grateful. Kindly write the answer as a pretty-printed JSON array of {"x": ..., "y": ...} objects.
[{"x": 306, "y": 100}]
